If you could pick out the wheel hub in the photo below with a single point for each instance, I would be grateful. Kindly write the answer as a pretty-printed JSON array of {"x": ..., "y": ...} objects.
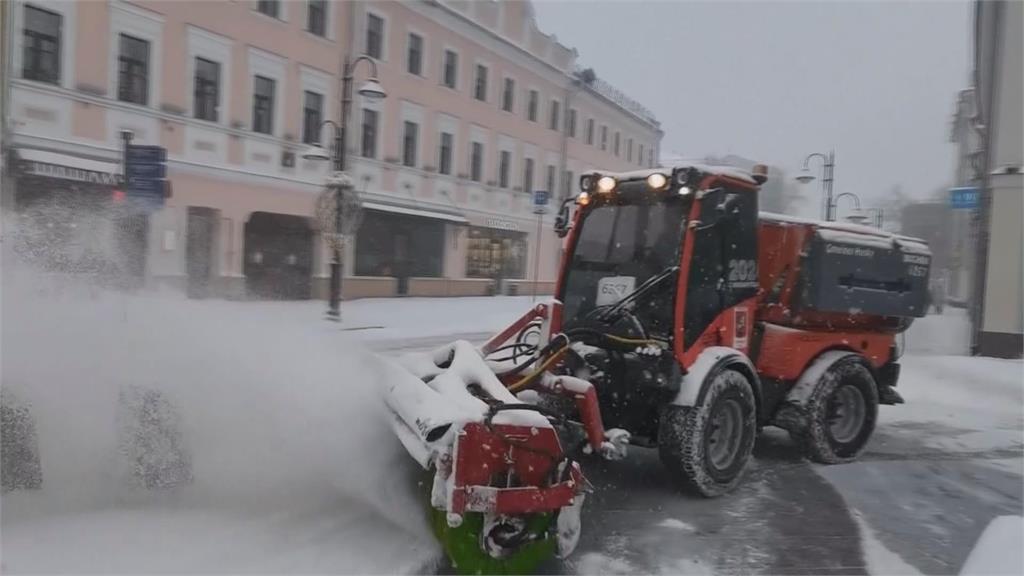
[
  {"x": 847, "y": 413},
  {"x": 725, "y": 434}
]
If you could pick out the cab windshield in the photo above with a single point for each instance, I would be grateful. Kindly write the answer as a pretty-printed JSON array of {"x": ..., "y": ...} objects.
[{"x": 620, "y": 246}]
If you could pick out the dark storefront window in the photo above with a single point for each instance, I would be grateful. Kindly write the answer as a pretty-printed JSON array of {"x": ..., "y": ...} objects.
[
  {"x": 399, "y": 245},
  {"x": 494, "y": 253},
  {"x": 41, "y": 51}
]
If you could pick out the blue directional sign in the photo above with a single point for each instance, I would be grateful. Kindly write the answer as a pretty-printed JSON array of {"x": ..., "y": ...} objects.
[
  {"x": 964, "y": 198},
  {"x": 540, "y": 201},
  {"x": 146, "y": 169},
  {"x": 137, "y": 170},
  {"x": 146, "y": 154}
]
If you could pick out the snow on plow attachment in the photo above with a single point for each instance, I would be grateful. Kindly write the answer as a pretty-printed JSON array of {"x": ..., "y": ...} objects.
[{"x": 505, "y": 495}]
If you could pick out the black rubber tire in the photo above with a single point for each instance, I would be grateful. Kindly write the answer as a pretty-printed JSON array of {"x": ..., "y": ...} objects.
[
  {"x": 817, "y": 438},
  {"x": 684, "y": 434}
]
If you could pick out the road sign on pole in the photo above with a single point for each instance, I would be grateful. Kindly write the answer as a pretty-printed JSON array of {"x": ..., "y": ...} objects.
[
  {"x": 145, "y": 171},
  {"x": 964, "y": 198},
  {"x": 540, "y": 201}
]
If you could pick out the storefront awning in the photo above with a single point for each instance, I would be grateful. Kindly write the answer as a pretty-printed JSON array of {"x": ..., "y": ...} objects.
[
  {"x": 68, "y": 167},
  {"x": 421, "y": 212}
]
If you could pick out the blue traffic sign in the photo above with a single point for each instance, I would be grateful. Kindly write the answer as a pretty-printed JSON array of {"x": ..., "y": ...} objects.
[
  {"x": 146, "y": 154},
  {"x": 146, "y": 187},
  {"x": 540, "y": 197},
  {"x": 964, "y": 198},
  {"x": 139, "y": 171}
]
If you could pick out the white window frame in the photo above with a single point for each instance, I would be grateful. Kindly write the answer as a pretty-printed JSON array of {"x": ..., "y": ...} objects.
[
  {"x": 209, "y": 46},
  {"x": 458, "y": 67},
  {"x": 480, "y": 135},
  {"x": 68, "y": 23},
  {"x": 274, "y": 67},
  {"x": 319, "y": 82},
  {"x": 328, "y": 21},
  {"x": 365, "y": 30},
  {"x": 357, "y": 133},
  {"x": 515, "y": 96},
  {"x": 449, "y": 124},
  {"x": 526, "y": 105},
  {"x": 490, "y": 80},
  {"x": 282, "y": 10},
  {"x": 510, "y": 145},
  {"x": 144, "y": 25},
  {"x": 424, "y": 54},
  {"x": 411, "y": 112}
]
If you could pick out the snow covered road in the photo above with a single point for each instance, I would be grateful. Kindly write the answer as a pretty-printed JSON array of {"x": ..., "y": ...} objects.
[{"x": 294, "y": 475}]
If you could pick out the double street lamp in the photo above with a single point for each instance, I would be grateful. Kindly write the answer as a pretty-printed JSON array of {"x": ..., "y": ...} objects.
[
  {"x": 370, "y": 90},
  {"x": 827, "y": 171}
]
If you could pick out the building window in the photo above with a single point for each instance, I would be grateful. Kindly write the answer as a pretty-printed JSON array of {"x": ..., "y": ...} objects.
[
  {"x": 271, "y": 8},
  {"x": 263, "y": 105},
  {"x": 571, "y": 121},
  {"x": 476, "y": 162},
  {"x": 504, "y": 160},
  {"x": 414, "y": 59},
  {"x": 410, "y": 139},
  {"x": 451, "y": 69},
  {"x": 590, "y": 131},
  {"x": 369, "y": 139},
  {"x": 528, "y": 176},
  {"x": 374, "y": 36},
  {"x": 480, "y": 88},
  {"x": 531, "y": 108},
  {"x": 629, "y": 150},
  {"x": 569, "y": 183},
  {"x": 133, "y": 70},
  {"x": 316, "y": 17},
  {"x": 206, "y": 96},
  {"x": 604, "y": 137},
  {"x": 640, "y": 156},
  {"x": 556, "y": 110},
  {"x": 444, "y": 154},
  {"x": 493, "y": 253},
  {"x": 650, "y": 157},
  {"x": 551, "y": 179},
  {"x": 616, "y": 143},
  {"x": 41, "y": 50},
  {"x": 508, "y": 95},
  {"x": 312, "y": 116}
]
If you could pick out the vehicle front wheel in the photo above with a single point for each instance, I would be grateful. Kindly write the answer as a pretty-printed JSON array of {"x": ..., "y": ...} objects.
[{"x": 707, "y": 446}]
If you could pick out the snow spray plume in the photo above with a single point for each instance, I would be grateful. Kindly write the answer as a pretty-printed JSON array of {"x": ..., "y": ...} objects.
[{"x": 277, "y": 411}]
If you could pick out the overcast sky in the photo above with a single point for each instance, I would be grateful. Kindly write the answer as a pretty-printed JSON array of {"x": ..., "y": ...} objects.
[{"x": 774, "y": 81}]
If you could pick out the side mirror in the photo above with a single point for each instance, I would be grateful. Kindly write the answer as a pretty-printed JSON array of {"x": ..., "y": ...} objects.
[{"x": 562, "y": 220}]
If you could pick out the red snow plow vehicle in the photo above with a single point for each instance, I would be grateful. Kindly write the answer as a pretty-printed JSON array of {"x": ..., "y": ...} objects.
[{"x": 683, "y": 320}]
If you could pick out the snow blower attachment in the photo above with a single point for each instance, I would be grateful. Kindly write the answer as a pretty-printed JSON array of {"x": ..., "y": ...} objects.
[{"x": 506, "y": 494}]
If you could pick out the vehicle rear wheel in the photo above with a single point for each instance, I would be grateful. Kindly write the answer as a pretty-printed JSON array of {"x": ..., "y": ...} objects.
[
  {"x": 708, "y": 446},
  {"x": 842, "y": 411}
]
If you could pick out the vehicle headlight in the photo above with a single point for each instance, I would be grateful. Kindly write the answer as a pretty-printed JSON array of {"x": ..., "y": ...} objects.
[
  {"x": 605, "y": 184},
  {"x": 657, "y": 181}
]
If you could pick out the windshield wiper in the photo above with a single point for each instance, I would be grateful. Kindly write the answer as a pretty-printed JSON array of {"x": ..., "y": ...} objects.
[{"x": 639, "y": 291}]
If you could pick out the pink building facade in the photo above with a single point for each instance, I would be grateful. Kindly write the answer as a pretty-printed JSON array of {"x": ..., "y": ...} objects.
[{"x": 482, "y": 109}]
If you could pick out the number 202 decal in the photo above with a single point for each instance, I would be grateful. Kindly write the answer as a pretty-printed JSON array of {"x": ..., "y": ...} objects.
[{"x": 742, "y": 273}]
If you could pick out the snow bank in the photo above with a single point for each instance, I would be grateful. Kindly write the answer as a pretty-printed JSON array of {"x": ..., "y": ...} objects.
[
  {"x": 998, "y": 550},
  {"x": 295, "y": 466}
]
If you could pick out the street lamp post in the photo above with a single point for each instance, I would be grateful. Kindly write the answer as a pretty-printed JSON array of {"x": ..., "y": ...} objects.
[
  {"x": 834, "y": 207},
  {"x": 827, "y": 173},
  {"x": 371, "y": 90}
]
